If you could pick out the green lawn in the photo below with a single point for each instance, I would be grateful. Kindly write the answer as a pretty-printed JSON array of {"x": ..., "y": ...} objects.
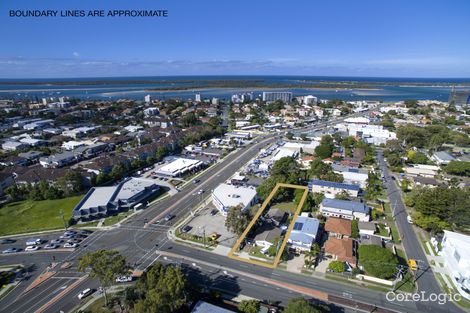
[
  {"x": 28, "y": 216},
  {"x": 285, "y": 206},
  {"x": 382, "y": 230}
]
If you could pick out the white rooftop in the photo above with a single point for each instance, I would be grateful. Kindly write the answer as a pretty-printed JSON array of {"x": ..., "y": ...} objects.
[
  {"x": 231, "y": 195},
  {"x": 101, "y": 196},
  {"x": 179, "y": 165},
  {"x": 132, "y": 187},
  {"x": 460, "y": 241}
]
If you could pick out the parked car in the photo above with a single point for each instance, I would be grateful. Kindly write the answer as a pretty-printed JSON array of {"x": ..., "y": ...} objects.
[
  {"x": 7, "y": 241},
  {"x": 186, "y": 228},
  {"x": 124, "y": 279},
  {"x": 85, "y": 293},
  {"x": 70, "y": 245},
  {"x": 196, "y": 181},
  {"x": 11, "y": 250},
  {"x": 56, "y": 241},
  {"x": 31, "y": 248},
  {"x": 50, "y": 246},
  {"x": 33, "y": 242},
  {"x": 67, "y": 236},
  {"x": 169, "y": 217},
  {"x": 214, "y": 212},
  {"x": 200, "y": 192}
]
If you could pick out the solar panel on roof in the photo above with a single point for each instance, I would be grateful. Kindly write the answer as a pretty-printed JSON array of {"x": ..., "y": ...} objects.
[{"x": 298, "y": 226}]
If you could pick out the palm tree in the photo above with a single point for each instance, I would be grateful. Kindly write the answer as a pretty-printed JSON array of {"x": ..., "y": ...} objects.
[{"x": 311, "y": 255}]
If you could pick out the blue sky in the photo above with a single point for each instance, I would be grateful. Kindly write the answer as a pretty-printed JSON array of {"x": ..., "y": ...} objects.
[{"x": 299, "y": 37}]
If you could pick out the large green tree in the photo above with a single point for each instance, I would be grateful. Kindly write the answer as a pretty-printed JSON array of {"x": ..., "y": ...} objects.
[
  {"x": 163, "y": 289},
  {"x": 249, "y": 306},
  {"x": 106, "y": 265},
  {"x": 237, "y": 220}
]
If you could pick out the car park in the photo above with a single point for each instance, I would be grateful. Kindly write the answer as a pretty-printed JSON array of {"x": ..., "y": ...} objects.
[
  {"x": 186, "y": 228},
  {"x": 31, "y": 248},
  {"x": 11, "y": 250},
  {"x": 124, "y": 279},
  {"x": 85, "y": 293},
  {"x": 50, "y": 246},
  {"x": 70, "y": 245},
  {"x": 169, "y": 217}
]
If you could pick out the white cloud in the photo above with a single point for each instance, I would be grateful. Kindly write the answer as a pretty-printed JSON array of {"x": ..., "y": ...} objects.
[{"x": 76, "y": 54}]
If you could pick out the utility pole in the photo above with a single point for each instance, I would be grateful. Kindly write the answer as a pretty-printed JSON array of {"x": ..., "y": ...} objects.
[
  {"x": 63, "y": 219},
  {"x": 204, "y": 235}
]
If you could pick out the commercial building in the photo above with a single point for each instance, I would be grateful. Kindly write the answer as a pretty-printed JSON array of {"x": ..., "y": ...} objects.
[
  {"x": 102, "y": 201},
  {"x": 271, "y": 96},
  {"x": 226, "y": 196},
  {"x": 456, "y": 254},
  {"x": 331, "y": 189},
  {"x": 304, "y": 233},
  {"x": 179, "y": 167},
  {"x": 345, "y": 209},
  {"x": 374, "y": 134}
]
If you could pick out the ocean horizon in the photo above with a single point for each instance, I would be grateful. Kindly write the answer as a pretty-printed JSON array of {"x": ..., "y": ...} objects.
[{"x": 163, "y": 87}]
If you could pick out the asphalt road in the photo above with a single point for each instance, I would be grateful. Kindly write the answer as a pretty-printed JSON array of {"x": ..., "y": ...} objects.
[{"x": 425, "y": 279}]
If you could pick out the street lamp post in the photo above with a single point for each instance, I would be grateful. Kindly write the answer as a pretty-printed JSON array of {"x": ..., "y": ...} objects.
[{"x": 63, "y": 218}]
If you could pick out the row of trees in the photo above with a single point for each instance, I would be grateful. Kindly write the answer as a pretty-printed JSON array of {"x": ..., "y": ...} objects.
[{"x": 70, "y": 184}]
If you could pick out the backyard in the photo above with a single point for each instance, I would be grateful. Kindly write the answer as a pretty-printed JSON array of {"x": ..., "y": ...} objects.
[{"x": 28, "y": 216}]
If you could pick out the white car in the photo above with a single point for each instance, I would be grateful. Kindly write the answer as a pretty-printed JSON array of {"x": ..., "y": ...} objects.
[
  {"x": 51, "y": 246},
  {"x": 409, "y": 219},
  {"x": 85, "y": 293},
  {"x": 31, "y": 248},
  {"x": 70, "y": 245},
  {"x": 124, "y": 279}
]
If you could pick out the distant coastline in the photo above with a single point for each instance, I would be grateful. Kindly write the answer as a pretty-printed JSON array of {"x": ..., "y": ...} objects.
[{"x": 163, "y": 87}]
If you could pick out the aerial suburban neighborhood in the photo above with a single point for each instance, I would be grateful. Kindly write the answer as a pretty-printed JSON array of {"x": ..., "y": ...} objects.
[
  {"x": 280, "y": 182},
  {"x": 234, "y": 156}
]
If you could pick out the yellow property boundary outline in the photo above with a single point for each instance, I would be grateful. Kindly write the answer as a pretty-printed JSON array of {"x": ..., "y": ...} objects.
[{"x": 232, "y": 254}]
